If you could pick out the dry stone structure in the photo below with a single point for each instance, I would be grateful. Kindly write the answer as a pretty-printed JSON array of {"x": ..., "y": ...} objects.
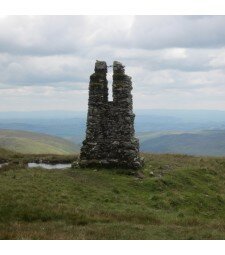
[{"x": 110, "y": 131}]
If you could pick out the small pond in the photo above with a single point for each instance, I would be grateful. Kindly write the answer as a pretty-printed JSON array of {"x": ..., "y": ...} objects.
[
  {"x": 3, "y": 164},
  {"x": 49, "y": 166}
]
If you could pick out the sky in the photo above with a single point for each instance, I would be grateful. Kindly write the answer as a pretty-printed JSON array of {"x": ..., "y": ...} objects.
[{"x": 176, "y": 62}]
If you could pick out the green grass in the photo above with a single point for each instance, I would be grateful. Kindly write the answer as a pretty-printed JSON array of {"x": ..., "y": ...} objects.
[
  {"x": 180, "y": 197},
  {"x": 6, "y": 155},
  {"x": 35, "y": 143}
]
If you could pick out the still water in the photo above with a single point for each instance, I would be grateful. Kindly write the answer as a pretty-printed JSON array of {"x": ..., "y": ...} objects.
[
  {"x": 3, "y": 164},
  {"x": 49, "y": 166}
]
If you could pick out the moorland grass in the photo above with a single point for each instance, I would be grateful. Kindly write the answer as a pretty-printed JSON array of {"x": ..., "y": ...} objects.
[{"x": 180, "y": 197}]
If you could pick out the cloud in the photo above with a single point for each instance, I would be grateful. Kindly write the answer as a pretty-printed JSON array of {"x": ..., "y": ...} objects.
[
  {"x": 46, "y": 61},
  {"x": 178, "y": 31},
  {"x": 42, "y": 35},
  {"x": 218, "y": 59},
  {"x": 46, "y": 35},
  {"x": 33, "y": 70}
]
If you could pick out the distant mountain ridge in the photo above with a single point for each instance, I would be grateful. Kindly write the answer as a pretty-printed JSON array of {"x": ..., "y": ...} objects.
[
  {"x": 159, "y": 130},
  {"x": 209, "y": 143},
  {"x": 71, "y": 125}
]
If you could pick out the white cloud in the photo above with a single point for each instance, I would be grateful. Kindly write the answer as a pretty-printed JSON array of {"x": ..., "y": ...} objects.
[
  {"x": 218, "y": 59},
  {"x": 174, "y": 61},
  {"x": 178, "y": 31},
  {"x": 175, "y": 53}
]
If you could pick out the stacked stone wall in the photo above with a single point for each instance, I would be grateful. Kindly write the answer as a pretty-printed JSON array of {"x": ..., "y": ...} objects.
[{"x": 110, "y": 139}]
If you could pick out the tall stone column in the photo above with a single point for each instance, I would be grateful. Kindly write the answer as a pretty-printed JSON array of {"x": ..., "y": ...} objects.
[
  {"x": 128, "y": 145},
  {"x": 97, "y": 103},
  {"x": 110, "y": 139}
]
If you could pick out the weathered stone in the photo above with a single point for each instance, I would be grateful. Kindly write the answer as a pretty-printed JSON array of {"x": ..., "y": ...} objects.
[
  {"x": 75, "y": 164},
  {"x": 110, "y": 131},
  {"x": 104, "y": 162}
]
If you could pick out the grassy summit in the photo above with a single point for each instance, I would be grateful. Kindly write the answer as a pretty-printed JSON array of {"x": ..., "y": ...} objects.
[{"x": 180, "y": 197}]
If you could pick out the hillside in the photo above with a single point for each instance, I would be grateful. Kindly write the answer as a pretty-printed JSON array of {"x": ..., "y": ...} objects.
[
  {"x": 35, "y": 143},
  {"x": 179, "y": 197},
  {"x": 211, "y": 143},
  {"x": 5, "y": 155},
  {"x": 145, "y": 136}
]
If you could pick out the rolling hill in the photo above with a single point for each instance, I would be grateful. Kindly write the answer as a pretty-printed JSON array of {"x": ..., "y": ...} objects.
[
  {"x": 35, "y": 143},
  {"x": 211, "y": 143}
]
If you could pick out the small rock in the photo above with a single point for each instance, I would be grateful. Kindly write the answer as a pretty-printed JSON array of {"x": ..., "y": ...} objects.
[
  {"x": 140, "y": 175},
  {"x": 75, "y": 164}
]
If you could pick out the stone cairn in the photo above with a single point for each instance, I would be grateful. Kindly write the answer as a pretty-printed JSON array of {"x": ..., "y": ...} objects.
[{"x": 110, "y": 140}]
